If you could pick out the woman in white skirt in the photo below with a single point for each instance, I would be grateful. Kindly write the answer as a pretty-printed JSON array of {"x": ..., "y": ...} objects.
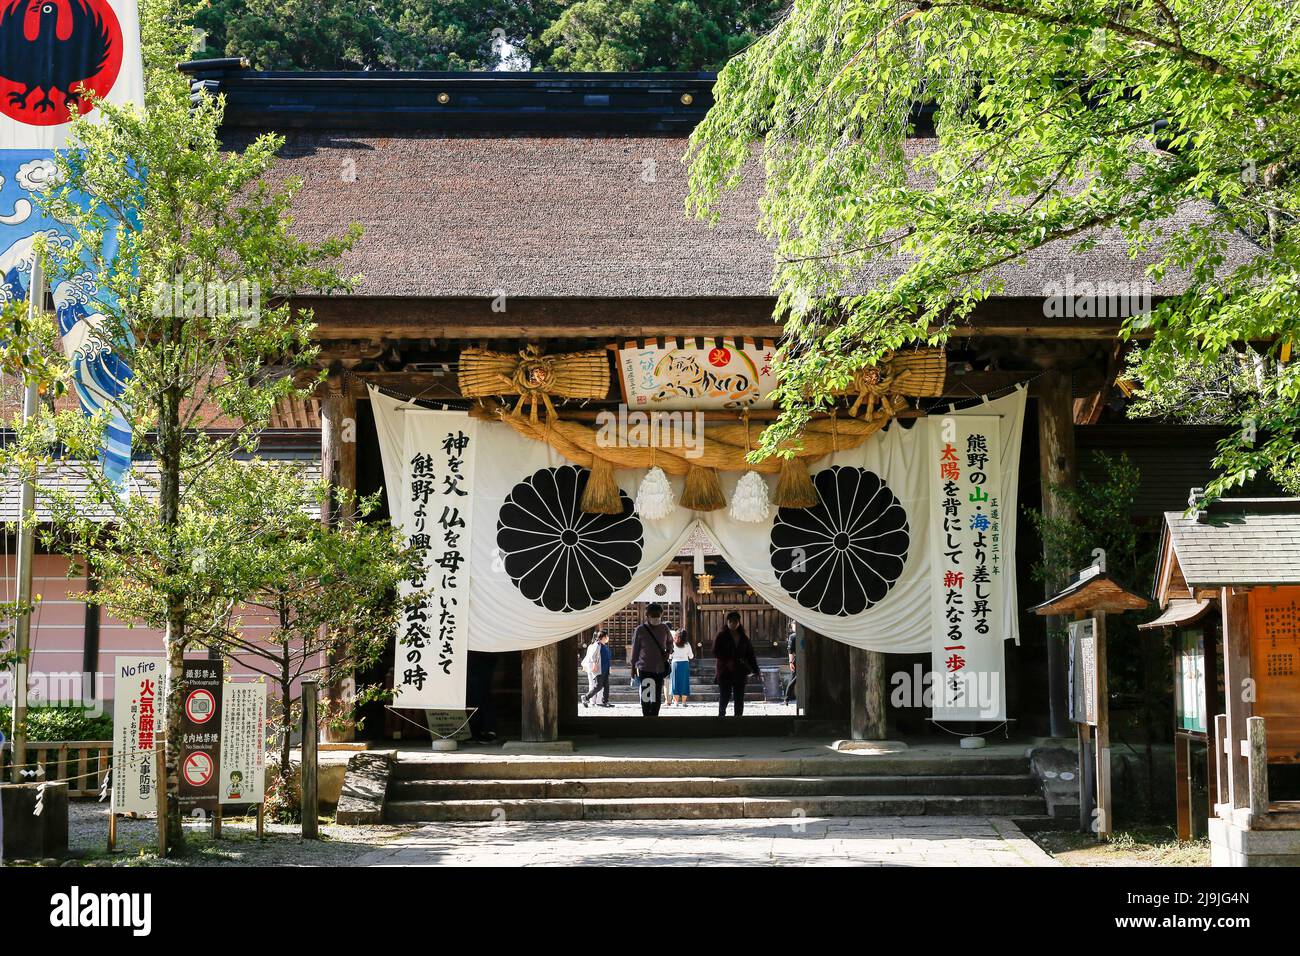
[{"x": 680, "y": 687}]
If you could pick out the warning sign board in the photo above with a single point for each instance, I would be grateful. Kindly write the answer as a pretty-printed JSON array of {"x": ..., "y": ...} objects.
[{"x": 200, "y": 737}]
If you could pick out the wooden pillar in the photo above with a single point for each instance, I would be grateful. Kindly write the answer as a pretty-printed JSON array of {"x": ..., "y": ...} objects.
[
  {"x": 540, "y": 716},
  {"x": 569, "y": 649},
  {"x": 338, "y": 463},
  {"x": 338, "y": 450},
  {"x": 827, "y": 673},
  {"x": 1056, "y": 461},
  {"x": 867, "y": 694},
  {"x": 1105, "y": 808},
  {"x": 1236, "y": 698}
]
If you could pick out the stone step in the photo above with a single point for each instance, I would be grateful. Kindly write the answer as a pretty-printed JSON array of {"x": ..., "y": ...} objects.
[
  {"x": 667, "y": 788},
  {"x": 430, "y": 766},
  {"x": 711, "y": 808}
]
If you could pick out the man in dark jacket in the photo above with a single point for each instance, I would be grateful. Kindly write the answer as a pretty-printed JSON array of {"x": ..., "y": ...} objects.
[
  {"x": 735, "y": 659},
  {"x": 650, "y": 659}
]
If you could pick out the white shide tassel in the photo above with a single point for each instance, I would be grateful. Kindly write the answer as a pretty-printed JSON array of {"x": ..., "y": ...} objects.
[
  {"x": 750, "y": 502},
  {"x": 654, "y": 499}
]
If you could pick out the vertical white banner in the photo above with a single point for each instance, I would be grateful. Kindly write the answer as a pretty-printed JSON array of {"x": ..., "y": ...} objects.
[
  {"x": 243, "y": 743},
  {"x": 138, "y": 702},
  {"x": 969, "y": 567},
  {"x": 437, "y": 511}
]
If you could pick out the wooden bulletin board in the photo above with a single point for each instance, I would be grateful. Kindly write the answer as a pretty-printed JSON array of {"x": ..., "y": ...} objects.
[
  {"x": 1083, "y": 671},
  {"x": 1190, "y": 706},
  {"x": 1275, "y": 666}
]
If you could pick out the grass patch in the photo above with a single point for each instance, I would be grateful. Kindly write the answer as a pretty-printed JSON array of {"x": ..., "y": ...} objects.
[{"x": 1146, "y": 846}]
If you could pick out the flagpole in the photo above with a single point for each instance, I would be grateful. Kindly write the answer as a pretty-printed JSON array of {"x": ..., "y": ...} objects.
[{"x": 26, "y": 545}]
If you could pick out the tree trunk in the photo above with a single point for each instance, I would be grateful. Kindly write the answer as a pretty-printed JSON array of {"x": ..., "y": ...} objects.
[
  {"x": 1056, "y": 471},
  {"x": 169, "y": 508}
]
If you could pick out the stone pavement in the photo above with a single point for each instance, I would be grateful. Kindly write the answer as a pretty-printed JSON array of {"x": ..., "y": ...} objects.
[
  {"x": 693, "y": 708},
  {"x": 860, "y": 841}
]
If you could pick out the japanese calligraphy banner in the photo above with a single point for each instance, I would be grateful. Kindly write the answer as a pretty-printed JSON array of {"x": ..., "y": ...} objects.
[
  {"x": 243, "y": 742},
  {"x": 970, "y": 566},
  {"x": 138, "y": 702},
  {"x": 860, "y": 567},
  {"x": 436, "y": 515}
]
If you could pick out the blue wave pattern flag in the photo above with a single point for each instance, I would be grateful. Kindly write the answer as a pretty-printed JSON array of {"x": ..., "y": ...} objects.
[
  {"x": 99, "y": 377},
  {"x": 52, "y": 52}
]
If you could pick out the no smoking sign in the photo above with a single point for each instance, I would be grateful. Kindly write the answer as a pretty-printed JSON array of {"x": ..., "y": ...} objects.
[{"x": 198, "y": 768}]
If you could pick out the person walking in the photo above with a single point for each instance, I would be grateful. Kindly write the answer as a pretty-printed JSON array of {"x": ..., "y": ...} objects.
[
  {"x": 650, "y": 659},
  {"x": 735, "y": 661},
  {"x": 683, "y": 654},
  {"x": 597, "y": 664},
  {"x": 791, "y": 642}
]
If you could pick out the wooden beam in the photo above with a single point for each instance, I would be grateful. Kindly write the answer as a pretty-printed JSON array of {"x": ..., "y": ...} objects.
[
  {"x": 393, "y": 317},
  {"x": 1237, "y": 690}
]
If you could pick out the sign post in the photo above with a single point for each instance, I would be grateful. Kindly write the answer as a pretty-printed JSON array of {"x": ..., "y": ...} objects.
[
  {"x": 310, "y": 802},
  {"x": 200, "y": 737},
  {"x": 135, "y": 775},
  {"x": 1093, "y": 593},
  {"x": 243, "y": 745}
]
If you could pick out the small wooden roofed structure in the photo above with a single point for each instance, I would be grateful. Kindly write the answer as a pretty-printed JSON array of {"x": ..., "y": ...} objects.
[
  {"x": 1093, "y": 592},
  {"x": 1243, "y": 554}
]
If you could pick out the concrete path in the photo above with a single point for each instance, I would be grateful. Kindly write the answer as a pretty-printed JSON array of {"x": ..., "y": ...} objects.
[{"x": 871, "y": 841}]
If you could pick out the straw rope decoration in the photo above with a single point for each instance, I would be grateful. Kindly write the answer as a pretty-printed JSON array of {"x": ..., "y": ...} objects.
[
  {"x": 917, "y": 372},
  {"x": 724, "y": 447},
  {"x": 534, "y": 377}
]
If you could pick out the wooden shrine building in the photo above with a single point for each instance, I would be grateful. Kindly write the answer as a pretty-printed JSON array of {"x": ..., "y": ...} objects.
[
  {"x": 1229, "y": 580},
  {"x": 544, "y": 214}
]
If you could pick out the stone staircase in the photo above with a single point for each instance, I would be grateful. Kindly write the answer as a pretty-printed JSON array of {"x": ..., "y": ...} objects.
[{"x": 557, "y": 787}]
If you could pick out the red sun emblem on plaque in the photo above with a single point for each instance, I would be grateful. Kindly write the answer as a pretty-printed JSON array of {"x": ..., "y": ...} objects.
[
  {"x": 719, "y": 357},
  {"x": 52, "y": 50}
]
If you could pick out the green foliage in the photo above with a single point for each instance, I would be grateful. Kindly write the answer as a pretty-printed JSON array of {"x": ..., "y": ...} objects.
[
  {"x": 1100, "y": 516},
  {"x": 650, "y": 35},
  {"x": 1046, "y": 123},
  {"x": 325, "y": 601},
  {"x": 60, "y": 723},
  {"x": 371, "y": 34},
  {"x": 193, "y": 302},
  {"x": 283, "y": 802},
  {"x": 653, "y": 35}
]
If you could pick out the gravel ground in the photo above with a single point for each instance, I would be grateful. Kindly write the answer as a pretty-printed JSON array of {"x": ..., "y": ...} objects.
[{"x": 239, "y": 846}]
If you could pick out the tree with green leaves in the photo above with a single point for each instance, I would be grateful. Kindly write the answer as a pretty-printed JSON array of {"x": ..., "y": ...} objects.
[
  {"x": 185, "y": 297},
  {"x": 652, "y": 35},
  {"x": 1054, "y": 119},
  {"x": 303, "y": 600}
]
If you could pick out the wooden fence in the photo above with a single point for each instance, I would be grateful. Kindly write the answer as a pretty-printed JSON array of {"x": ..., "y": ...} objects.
[{"x": 82, "y": 763}]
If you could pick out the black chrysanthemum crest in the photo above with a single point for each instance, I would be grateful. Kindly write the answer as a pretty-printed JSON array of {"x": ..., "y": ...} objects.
[
  {"x": 844, "y": 554},
  {"x": 559, "y": 556}
]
